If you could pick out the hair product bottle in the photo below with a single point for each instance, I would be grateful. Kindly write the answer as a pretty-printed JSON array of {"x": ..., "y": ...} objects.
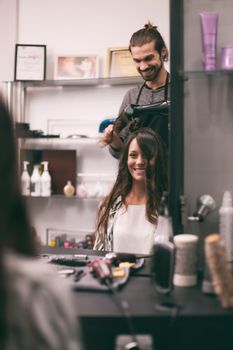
[
  {"x": 209, "y": 26},
  {"x": 36, "y": 182},
  {"x": 45, "y": 181},
  {"x": 25, "y": 180},
  {"x": 226, "y": 224}
]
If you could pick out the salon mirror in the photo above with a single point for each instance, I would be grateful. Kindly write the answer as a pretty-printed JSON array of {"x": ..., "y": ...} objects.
[{"x": 69, "y": 109}]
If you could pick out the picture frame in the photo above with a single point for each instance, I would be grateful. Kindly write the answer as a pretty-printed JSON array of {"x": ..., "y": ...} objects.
[
  {"x": 120, "y": 63},
  {"x": 76, "y": 67},
  {"x": 30, "y": 62}
]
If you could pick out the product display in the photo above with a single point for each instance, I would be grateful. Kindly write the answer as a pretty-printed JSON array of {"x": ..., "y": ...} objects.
[
  {"x": 226, "y": 224},
  {"x": 227, "y": 57},
  {"x": 209, "y": 26},
  {"x": 25, "y": 180},
  {"x": 36, "y": 182},
  {"x": 45, "y": 181}
]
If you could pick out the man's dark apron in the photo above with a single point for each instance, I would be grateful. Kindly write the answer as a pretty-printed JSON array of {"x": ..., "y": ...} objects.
[{"x": 154, "y": 116}]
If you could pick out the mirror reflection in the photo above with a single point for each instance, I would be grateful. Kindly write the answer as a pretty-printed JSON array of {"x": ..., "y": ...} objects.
[
  {"x": 79, "y": 113},
  {"x": 142, "y": 124}
]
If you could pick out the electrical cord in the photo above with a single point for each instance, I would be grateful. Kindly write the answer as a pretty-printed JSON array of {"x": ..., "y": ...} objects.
[
  {"x": 123, "y": 306},
  {"x": 102, "y": 270}
]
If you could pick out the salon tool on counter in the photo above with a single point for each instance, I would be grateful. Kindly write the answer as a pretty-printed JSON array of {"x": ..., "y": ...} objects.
[
  {"x": 163, "y": 262},
  {"x": 185, "y": 274},
  {"x": 69, "y": 260}
]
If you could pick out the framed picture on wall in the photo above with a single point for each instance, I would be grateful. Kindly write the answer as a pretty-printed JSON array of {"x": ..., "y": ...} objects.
[
  {"x": 76, "y": 67},
  {"x": 120, "y": 63},
  {"x": 30, "y": 62}
]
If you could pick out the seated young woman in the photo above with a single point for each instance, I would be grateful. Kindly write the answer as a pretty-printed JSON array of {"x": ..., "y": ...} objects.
[{"x": 127, "y": 219}]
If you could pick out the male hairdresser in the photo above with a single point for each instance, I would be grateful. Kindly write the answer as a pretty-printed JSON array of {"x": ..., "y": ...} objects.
[{"x": 146, "y": 105}]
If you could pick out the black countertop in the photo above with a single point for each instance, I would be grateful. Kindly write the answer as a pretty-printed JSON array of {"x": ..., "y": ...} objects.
[{"x": 185, "y": 319}]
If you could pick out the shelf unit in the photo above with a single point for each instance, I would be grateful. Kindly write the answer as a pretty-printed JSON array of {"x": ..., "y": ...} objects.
[
  {"x": 201, "y": 115},
  {"x": 81, "y": 82},
  {"x": 94, "y": 163}
]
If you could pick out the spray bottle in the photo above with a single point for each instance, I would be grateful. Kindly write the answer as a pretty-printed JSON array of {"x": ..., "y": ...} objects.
[
  {"x": 25, "y": 180},
  {"x": 36, "y": 182},
  {"x": 45, "y": 181}
]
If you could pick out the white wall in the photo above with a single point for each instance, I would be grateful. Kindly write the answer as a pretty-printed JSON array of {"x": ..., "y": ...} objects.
[
  {"x": 86, "y": 27},
  {"x": 74, "y": 27},
  {"x": 77, "y": 27}
]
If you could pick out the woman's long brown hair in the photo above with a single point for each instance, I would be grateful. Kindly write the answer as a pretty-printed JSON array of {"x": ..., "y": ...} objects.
[
  {"x": 15, "y": 232},
  {"x": 156, "y": 178}
]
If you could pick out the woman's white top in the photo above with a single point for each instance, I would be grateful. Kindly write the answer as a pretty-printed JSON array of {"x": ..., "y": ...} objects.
[{"x": 132, "y": 232}]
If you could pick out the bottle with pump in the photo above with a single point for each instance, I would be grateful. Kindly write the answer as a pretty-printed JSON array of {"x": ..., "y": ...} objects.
[
  {"x": 45, "y": 181},
  {"x": 25, "y": 180},
  {"x": 36, "y": 182},
  {"x": 226, "y": 224}
]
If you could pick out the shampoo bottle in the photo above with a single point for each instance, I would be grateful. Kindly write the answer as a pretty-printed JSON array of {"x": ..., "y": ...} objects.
[
  {"x": 25, "y": 180},
  {"x": 45, "y": 181},
  {"x": 36, "y": 182},
  {"x": 226, "y": 223}
]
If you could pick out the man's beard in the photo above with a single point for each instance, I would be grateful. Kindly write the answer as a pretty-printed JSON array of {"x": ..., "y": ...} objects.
[{"x": 154, "y": 74}]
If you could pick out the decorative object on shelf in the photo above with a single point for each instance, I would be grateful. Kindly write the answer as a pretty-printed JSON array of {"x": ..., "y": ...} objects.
[
  {"x": 30, "y": 62},
  {"x": 76, "y": 67},
  {"x": 227, "y": 57},
  {"x": 82, "y": 190},
  {"x": 69, "y": 189},
  {"x": 67, "y": 127},
  {"x": 120, "y": 63}
]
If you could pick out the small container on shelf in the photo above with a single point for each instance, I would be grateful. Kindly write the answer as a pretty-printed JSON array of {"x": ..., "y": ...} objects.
[
  {"x": 93, "y": 185},
  {"x": 69, "y": 189}
]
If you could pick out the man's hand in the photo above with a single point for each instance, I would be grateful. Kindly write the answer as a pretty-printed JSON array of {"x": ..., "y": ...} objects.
[
  {"x": 111, "y": 138},
  {"x": 108, "y": 135}
]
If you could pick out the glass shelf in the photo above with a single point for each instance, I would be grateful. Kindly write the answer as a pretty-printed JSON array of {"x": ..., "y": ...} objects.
[
  {"x": 61, "y": 196},
  {"x": 205, "y": 74},
  {"x": 81, "y": 82}
]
